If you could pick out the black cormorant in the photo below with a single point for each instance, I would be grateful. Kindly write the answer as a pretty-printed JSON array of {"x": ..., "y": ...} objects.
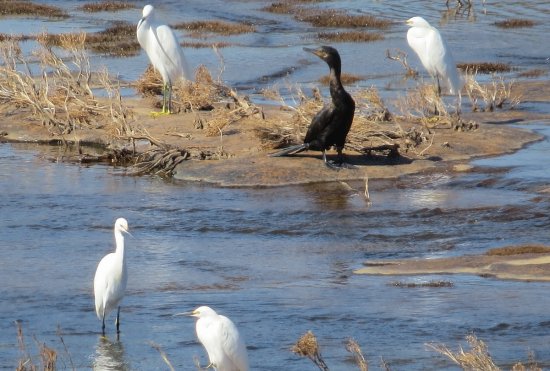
[{"x": 331, "y": 125}]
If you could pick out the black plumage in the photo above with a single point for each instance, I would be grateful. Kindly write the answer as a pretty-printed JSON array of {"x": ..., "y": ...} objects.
[{"x": 331, "y": 125}]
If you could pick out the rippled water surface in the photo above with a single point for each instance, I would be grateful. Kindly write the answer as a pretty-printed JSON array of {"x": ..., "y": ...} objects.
[{"x": 278, "y": 261}]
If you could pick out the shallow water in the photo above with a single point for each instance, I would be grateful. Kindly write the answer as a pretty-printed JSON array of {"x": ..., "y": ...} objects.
[
  {"x": 278, "y": 261},
  {"x": 273, "y": 56}
]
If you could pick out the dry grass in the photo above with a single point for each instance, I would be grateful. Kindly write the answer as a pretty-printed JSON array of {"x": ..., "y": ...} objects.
[
  {"x": 350, "y": 36},
  {"x": 28, "y": 8},
  {"x": 59, "y": 97},
  {"x": 355, "y": 349},
  {"x": 48, "y": 356},
  {"x": 119, "y": 40},
  {"x": 477, "y": 358},
  {"x": 496, "y": 94},
  {"x": 516, "y": 250},
  {"x": 374, "y": 130},
  {"x": 485, "y": 67},
  {"x": 106, "y": 6},
  {"x": 217, "y": 27},
  {"x": 515, "y": 23}
]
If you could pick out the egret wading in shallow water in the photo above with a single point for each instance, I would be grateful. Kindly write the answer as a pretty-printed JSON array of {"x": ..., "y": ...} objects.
[
  {"x": 434, "y": 54},
  {"x": 330, "y": 126},
  {"x": 164, "y": 52},
  {"x": 111, "y": 277},
  {"x": 221, "y": 339}
]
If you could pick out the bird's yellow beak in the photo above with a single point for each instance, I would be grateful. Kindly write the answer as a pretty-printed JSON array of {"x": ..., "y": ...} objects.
[
  {"x": 189, "y": 314},
  {"x": 408, "y": 22}
]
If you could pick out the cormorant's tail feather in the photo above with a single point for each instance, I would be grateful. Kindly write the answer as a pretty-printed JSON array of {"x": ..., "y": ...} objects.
[{"x": 292, "y": 150}]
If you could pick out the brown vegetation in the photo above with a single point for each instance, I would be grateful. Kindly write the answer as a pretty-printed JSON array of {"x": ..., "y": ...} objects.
[
  {"x": 485, "y": 67},
  {"x": 118, "y": 40},
  {"x": 307, "y": 346},
  {"x": 218, "y": 27},
  {"x": 350, "y": 36},
  {"x": 28, "y": 8},
  {"x": 340, "y": 19},
  {"x": 496, "y": 94},
  {"x": 515, "y": 23},
  {"x": 533, "y": 73},
  {"x": 60, "y": 99},
  {"x": 106, "y": 6},
  {"x": 434, "y": 284},
  {"x": 515, "y": 250},
  {"x": 198, "y": 45},
  {"x": 478, "y": 357},
  {"x": 346, "y": 78}
]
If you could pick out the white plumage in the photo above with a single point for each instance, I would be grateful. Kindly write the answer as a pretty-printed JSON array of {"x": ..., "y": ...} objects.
[
  {"x": 164, "y": 52},
  {"x": 111, "y": 277},
  {"x": 435, "y": 56},
  {"x": 221, "y": 339}
]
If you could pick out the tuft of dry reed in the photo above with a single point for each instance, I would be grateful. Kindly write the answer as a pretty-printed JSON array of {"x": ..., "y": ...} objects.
[
  {"x": 477, "y": 358},
  {"x": 217, "y": 27},
  {"x": 106, "y": 6},
  {"x": 28, "y": 8},
  {"x": 515, "y": 23},
  {"x": 353, "y": 347},
  {"x": 307, "y": 346},
  {"x": 350, "y": 36}
]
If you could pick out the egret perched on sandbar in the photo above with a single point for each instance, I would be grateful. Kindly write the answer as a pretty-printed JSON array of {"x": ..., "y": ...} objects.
[
  {"x": 111, "y": 277},
  {"x": 164, "y": 52},
  {"x": 434, "y": 54},
  {"x": 221, "y": 339}
]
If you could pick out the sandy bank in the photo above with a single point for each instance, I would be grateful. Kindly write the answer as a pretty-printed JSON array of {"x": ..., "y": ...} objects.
[{"x": 526, "y": 267}]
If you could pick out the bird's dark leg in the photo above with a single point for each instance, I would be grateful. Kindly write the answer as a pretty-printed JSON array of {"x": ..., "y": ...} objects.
[
  {"x": 103, "y": 325},
  {"x": 118, "y": 321},
  {"x": 438, "y": 86}
]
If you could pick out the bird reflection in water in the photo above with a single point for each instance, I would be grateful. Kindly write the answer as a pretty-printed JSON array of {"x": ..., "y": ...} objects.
[{"x": 109, "y": 355}]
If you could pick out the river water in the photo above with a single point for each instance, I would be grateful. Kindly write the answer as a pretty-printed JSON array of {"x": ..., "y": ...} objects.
[{"x": 278, "y": 261}]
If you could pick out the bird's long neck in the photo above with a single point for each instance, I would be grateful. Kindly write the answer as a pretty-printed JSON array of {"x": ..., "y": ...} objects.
[
  {"x": 119, "y": 242},
  {"x": 336, "y": 86}
]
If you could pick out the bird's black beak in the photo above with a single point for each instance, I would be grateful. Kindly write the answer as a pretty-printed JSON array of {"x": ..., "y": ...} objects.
[{"x": 318, "y": 52}]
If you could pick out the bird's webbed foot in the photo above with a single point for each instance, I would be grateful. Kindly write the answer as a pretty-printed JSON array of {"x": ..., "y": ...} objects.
[{"x": 339, "y": 164}]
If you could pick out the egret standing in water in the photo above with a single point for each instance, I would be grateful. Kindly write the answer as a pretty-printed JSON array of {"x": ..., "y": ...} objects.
[
  {"x": 330, "y": 126},
  {"x": 164, "y": 52},
  {"x": 221, "y": 339},
  {"x": 111, "y": 277},
  {"x": 435, "y": 56}
]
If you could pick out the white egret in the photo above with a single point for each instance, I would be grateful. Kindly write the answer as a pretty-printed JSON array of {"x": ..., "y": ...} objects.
[
  {"x": 435, "y": 56},
  {"x": 164, "y": 52},
  {"x": 221, "y": 339},
  {"x": 111, "y": 277}
]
